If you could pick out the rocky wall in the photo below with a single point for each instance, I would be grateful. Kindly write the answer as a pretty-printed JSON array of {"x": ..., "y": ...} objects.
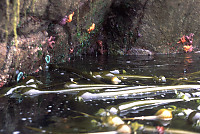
[
  {"x": 41, "y": 34},
  {"x": 122, "y": 27}
]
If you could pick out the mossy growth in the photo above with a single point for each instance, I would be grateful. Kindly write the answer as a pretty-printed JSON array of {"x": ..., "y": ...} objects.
[
  {"x": 7, "y": 18},
  {"x": 13, "y": 10},
  {"x": 16, "y": 8}
]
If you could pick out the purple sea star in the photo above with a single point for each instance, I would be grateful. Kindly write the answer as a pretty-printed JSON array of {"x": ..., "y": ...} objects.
[{"x": 64, "y": 20}]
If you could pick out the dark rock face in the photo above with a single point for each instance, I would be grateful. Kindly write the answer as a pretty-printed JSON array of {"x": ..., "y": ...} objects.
[
  {"x": 122, "y": 24},
  {"x": 133, "y": 27},
  {"x": 166, "y": 21},
  {"x": 151, "y": 24}
]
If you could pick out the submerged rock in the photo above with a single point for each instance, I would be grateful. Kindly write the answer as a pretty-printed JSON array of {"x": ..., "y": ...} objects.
[
  {"x": 124, "y": 129},
  {"x": 139, "y": 51}
]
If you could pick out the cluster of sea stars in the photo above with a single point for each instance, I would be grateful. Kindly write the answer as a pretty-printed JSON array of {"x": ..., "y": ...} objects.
[
  {"x": 66, "y": 19},
  {"x": 187, "y": 42}
]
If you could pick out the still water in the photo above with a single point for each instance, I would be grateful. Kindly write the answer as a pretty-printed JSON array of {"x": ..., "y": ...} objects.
[{"x": 76, "y": 111}]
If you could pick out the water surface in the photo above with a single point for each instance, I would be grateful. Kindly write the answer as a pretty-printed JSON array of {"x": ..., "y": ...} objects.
[{"x": 59, "y": 112}]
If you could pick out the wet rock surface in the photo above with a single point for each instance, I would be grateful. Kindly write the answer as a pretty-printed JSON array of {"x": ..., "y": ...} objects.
[
  {"x": 139, "y": 27},
  {"x": 39, "y": 33}
]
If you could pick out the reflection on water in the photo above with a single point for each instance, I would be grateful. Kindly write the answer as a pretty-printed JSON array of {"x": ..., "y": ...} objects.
[{"x": 55, "y": 112}]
